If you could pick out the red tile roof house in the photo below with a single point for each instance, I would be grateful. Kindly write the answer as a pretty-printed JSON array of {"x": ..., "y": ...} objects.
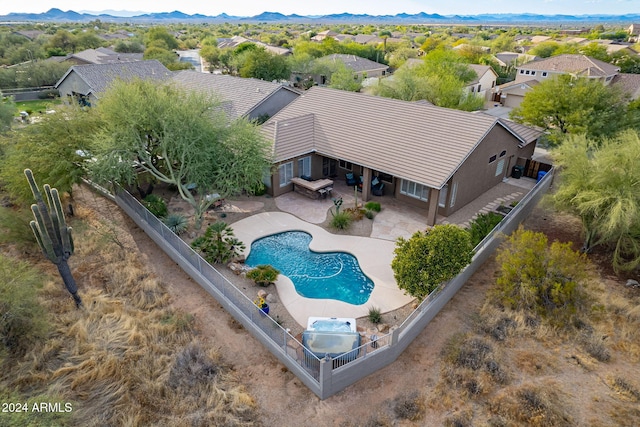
[{"x": 434, "y": 158}]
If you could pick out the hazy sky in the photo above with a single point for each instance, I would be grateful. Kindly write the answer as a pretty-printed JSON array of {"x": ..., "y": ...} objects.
[{"x": 372, "y": 7}]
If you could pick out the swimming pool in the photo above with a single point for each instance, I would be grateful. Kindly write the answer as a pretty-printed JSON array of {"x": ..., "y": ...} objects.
[{"x": 329, "y": 275}]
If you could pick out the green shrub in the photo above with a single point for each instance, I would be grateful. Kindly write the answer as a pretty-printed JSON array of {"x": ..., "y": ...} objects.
[
  {"x": 22, "y": 319},
  {"x": 15, "y": 229},
  {"x": 374, "y": 315},
  {"x": 373, "y": 206},
  {"x": 263, "y": 275},
  {"x": 481, "y": 226},
  {"x": 341, "y": 220},
  {"x": 156, "y": 205},
  {"x": 546, "y": 280},
  {"x": 258, "y": 190},
  {"x": 369, "y": 214},
  {"x": 219, "y": 244},
  {"x": 176, "y": 223}
]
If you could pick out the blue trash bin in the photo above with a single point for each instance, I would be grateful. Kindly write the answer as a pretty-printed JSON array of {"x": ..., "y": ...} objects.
[{"x": 541, "y": 174}]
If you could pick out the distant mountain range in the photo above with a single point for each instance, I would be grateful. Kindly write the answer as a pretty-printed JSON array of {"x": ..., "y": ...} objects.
[{"x": 57, "y": 15}]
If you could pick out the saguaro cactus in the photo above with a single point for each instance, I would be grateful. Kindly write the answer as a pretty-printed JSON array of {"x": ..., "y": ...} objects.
[{"x": 52, "y": 233}]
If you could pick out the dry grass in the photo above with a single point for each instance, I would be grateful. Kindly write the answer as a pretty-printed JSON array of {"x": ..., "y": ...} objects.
[
  {"x": 532, "y": 405},
  {"x": 127, "y": 358}
]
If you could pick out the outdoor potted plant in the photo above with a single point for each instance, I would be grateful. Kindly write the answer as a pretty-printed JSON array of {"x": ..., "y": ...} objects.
[
  {"x": 263, "y": 275},
  {"x": 262, "y": 305}
]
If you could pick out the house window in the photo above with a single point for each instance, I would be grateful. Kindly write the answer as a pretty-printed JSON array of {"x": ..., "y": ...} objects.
[
  {"x": 544, "y": 74},
  {"x": 304, "y": 166},
  {"x": 479, "y": 88},
  {"x": 415, "y": 190},
  {"x": 442, "y": 199},
  {"x": 285, "y": 171},
  {"x": 492, "y": 158},
  {"x": 454, "y": 193},
  {"x": 385, "y": 177},
  {"x": 521, "y": 71},
  {"x": 533, "y": 73},
  {"x": 345, "y": 165},
  {"x": 500, "y": 167},
  {"x": 473, "y": 89},
  {"x": 328, "y": 167},
  {"x": 503, "y": 153},
  {"x": 493, "y": 83}
]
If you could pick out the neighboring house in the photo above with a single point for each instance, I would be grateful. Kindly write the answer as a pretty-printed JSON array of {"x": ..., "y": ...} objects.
[
  {"x": 529, "y": 74},
  {"x": 629, "y": 83},
  {"x": 634, "y": 32},
  {"x": 101, "y": 55},
  {"x": 251, "y": 98},
  {"x": 85, "y": 83},
  {"x": 513, "y": 59},
  {"x": 29, "y": 34},
  {"x": 236, "y": 41},
  {"x": 323, "y": 35},
  {"x": 434, "y": 158},
  {"x": 484, "y": 82},
  {"x": 362, "y": 68}
]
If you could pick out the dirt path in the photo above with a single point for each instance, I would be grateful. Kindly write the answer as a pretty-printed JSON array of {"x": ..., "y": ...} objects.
[{"x": 284, "y": 401}]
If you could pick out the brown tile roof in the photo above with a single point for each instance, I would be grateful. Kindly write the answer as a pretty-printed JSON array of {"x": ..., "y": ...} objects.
[
  {"x": 418, "y": 142},
  {"x": 238, "y": 95},
  {"x": 629, "y": 83},
  {"x": 355, "y": 63},
  {"x": 581, "y": 65}
]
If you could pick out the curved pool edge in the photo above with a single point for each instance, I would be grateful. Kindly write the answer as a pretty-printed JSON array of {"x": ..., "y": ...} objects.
[{"x": 374, "y": 257}]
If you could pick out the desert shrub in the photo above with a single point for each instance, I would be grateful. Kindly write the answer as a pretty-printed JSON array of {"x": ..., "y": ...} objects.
[
  {"x": 409, "y": 407},
  {"x": 547, "y": 280},
  {"x": 263, "y": 275},
  {"x": 356, "y": 213},
  {"x": 191, "y": 368},
  {"x": 373, "y": 206},
  {"x": 596, "y": 348},
  {"x": 374, "y": 315},
  {"x": 623, "y": 386},
  {"x": 341, "y": 220},
  {"x": 15, "y": 229},
  {"x": 156, "y": 205},
  {"x": 481, "y": 226},
  {"x": 369, "y": 214},
  {"x": 218, "y": 244},
  {"x": 22, "y": 319},
  {"x": 176, "y": 223},
  {"x": 538, "y": 405}
]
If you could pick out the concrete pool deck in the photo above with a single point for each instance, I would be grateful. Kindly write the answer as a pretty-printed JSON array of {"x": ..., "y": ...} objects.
[{"x": 374, "y": 256}]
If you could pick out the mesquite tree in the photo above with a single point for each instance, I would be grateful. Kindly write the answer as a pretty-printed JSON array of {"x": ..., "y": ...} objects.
[{"x": 52, "y": 233}]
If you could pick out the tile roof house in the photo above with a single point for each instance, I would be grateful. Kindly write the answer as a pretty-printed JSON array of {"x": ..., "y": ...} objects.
[
  {"x": 101, "y": 55},
  {"x": 236, "y": 41},
  {"x": 240, "y": 97},
  {"x": 85, "y": 83},
  {"x": 434, "y": 158},
  {"x": 534, "y": 72}
]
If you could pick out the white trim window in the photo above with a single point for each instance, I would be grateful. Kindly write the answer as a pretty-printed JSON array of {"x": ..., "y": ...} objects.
[
  {"x": 304, "y": 166},
  {"x": 442, "y": 198},
  {"x": 415, "y": 190},
  {"x": 285, "y": 171}
]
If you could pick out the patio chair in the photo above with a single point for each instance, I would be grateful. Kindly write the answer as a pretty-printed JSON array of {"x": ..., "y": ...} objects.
[
  {"x": 351, "y": 180},
  {"x": 377, "y": 187}
]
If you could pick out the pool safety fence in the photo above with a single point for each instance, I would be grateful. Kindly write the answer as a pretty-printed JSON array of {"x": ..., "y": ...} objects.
[{"x": 324, "y": 376}]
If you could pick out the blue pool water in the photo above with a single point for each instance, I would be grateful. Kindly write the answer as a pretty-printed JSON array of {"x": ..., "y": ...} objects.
[
  {"x": 327, "y": 275},
  {"x": 329, "y": 325}
]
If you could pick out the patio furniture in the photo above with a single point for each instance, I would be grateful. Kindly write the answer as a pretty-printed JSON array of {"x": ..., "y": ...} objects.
[
  {"x": 351, "y": 179},
  {"x": 312, "y": 189},
  {"x": 377, "y": 187}
]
